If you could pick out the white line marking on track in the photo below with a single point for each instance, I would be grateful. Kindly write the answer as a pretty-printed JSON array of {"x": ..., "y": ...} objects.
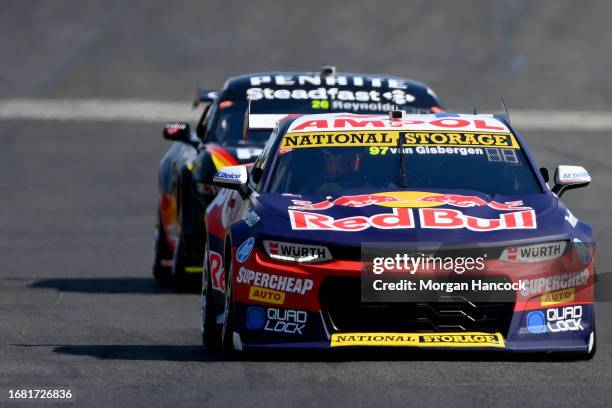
[
  {"x": 151, "y": 111},
  {"x": 128, "y": 110}
]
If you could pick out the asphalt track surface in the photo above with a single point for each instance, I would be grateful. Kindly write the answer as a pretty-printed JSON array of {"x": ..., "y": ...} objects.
[{"x": 78, "y": 309}]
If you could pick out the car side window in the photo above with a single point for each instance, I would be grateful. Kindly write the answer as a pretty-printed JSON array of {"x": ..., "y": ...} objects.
[
  {"x": 204, "y": 126},
  {"x": 260, "y": 164},
  {"x": 203, "y": 122}
]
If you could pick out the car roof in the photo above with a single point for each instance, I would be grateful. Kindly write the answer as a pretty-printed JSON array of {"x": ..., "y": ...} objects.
[
  {"x": 442, "y": 122},
  {"x": 235, "y": 88}
]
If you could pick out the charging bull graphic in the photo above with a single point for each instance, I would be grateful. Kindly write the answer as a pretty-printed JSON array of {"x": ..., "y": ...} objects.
[{"x": 415, "y": 199}]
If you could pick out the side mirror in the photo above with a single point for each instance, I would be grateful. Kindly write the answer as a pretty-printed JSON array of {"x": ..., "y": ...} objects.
[
  {"x": 233, "y": 178},
  {"x": 177, "y": 131},
  {"x": 570, "y": 177}
]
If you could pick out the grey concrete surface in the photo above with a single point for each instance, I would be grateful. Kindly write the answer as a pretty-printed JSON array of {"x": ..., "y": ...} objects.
[
  {"x": 536, "y": 54},
  {"x": 78, "y": 309}
]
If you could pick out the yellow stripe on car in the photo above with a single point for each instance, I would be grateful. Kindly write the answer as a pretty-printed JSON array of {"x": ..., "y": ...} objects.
[{"x": 467, "y": 339}]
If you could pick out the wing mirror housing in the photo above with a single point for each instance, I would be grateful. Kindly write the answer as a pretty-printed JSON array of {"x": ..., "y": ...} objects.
[
  {"x": 178, "y": 132},
  {"x": 233, "y": 178},
  {"x": 570, "y": 177}
]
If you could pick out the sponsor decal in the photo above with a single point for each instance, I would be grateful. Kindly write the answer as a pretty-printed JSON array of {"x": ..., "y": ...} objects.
[
  {"x": 403, "y": 218},
  {"x": 216, "y": 271},
  {"x": 266, "y": 295},
  {"x": 255, "y": 317},
  {"x": 395, "y": 138},
  {"x": 250, "y": 218},
  {"x": 463, "y": 151},
  {"x": 374, "y": 91},
  {"x": 418, "y": 339},
  {"x": 331, "y": 80},
  {"x": 463, "y": 201},
  {"x": 569, "y": 174},
  {"x": 347, "y": 106},
  {"x": 571, "y": 219},
  {"x": 510, "y": 254},
  {"x": 536, "y": 322},
  {"x": 409, "y": 199},
  {"x": 396, "y": 96},
  {"x": 285, "y": 321},
  {"x": 361, "y": 200},
  {"x": 564, "y": 319},
  {"x": 558, "y": 297},
  {"x": 173, "y": 128},
  {"x": 296, "y": 252},
  {"x": 226, "y": 175},
  {"x": 534, "y": 253},
  {"x": 537, "y": 286},
  {"x": 275, "y": 282},
  {"x": 582, "y": 251},
  {"x": 244, "y": 250},
  {"x": 415, "y": 123}
]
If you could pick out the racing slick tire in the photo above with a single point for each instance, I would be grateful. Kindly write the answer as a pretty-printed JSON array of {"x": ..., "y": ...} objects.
[
  {"x": 227, "y": 331},
  {"x": 161, "y": 252},
  {"x": 187, "y": 257},
  {"x": 181, "y": 279},
  {"x": 178, "y": 266},
  {"x": 211, "y": 333}
]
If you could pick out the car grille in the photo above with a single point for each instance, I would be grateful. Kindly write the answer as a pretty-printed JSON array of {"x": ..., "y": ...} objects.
[{"x": 343, "y": 311}]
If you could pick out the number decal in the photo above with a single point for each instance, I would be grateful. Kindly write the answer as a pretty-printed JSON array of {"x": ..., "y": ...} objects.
[
  {"x": 320, "y": 104},
  {"x": 376, "y": 150}
]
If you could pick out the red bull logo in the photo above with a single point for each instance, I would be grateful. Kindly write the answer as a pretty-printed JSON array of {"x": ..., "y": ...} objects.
[
  {"x": 361, "y": 200},
  {"x": 409, "y": 199},
  {"x": 404, "y": 218},
  {"x": 463, "y": 201}
]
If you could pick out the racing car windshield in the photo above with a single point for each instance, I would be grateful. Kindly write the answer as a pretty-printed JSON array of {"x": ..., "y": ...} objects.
[
  {"x": 228, "y": 125},
  {"x": 327, "y": 166}
]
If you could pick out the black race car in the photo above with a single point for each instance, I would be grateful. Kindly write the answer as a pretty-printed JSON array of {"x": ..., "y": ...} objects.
[{"x": 187, "y": 169}]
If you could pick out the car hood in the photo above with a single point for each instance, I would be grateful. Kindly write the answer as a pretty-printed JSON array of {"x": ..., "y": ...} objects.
[{"x": 523, "y": 217}]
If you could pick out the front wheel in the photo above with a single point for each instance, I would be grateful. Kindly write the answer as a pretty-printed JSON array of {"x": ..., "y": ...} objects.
[
  {"x": 186, "y": 277},
  {"x": 227, "y": 332},
  {"x": 211, "y": 333}
]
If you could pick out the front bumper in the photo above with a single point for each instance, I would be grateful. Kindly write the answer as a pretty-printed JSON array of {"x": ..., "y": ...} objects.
[{"x": 318, "y": 306}]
